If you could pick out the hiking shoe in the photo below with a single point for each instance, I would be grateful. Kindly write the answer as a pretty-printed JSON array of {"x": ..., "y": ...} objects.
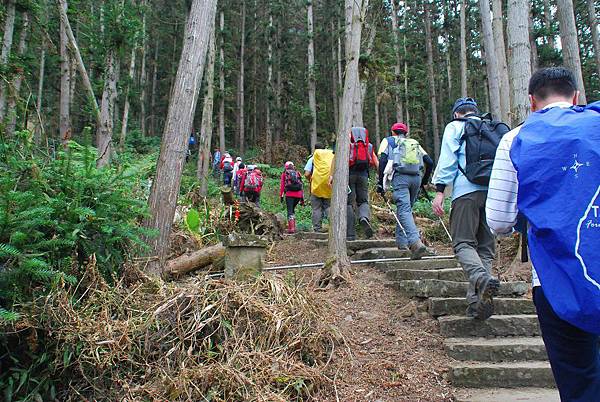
[
  {"x": 366, "y": 226},
  {"x": 487, "y": 289},
  {"x": 417, "y": 250},
  {"x": 404, "y": 251}
]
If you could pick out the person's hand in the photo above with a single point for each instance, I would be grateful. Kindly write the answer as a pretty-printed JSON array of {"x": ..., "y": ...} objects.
[
  {"x": 380, "y": 189},
  {"x": 438, "y": 204},
  {"x": 330, "y": 181},
  {"x": 302, "y": 202}
]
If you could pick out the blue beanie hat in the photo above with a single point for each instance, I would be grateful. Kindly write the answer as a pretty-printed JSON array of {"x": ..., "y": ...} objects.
[{"x": 462, "y": 102}]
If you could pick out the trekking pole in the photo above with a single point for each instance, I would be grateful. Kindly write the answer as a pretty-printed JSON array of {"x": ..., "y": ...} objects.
[
  {"x": 393, "y": 213},
  {"x": 445, "y": 228}
]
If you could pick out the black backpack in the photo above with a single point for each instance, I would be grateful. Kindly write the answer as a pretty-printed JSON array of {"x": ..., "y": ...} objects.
[
  {"x": 293, "y": 181},
  {"x": 482, "y": 137}
]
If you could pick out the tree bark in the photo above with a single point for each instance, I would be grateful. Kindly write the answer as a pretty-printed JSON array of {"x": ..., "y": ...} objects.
[
  {"x": 431, "y": 77},
  {"x": 222, "y": 82},
  {"x": 206, "y": 127},
  {"x": 126, "y": 106},
  {"x": 548, "y": 24},
  {"x": 194, "y": 261},
  {"x": 18, "y": 79},
  {"x": 397, "y": 68},
  {"x": 570, "y": 43},
  {"x": 336, "y": 268},
  {"x": 182, "y": 106},
  {"x": 65, "y": 86},
  {"x": 39, "y": 130},
  {"x": 595, "y": 35},
  {"x": 463, "y": 48},
  {"x": 143, "y": 75},
  {"x": 334, "y": 80},
  {"x": 9, "y": 27},
  {"x": 312, "y": 84},
  {"x": 491, "y": 62},
  {"x": 241, "y": 93},
  {"x": 498, "y": 28},
  {"x": 268, "y": 122},
  {"x": 153, "y": 95},
  {"x": 376, "y": 110},
  {"x": 519, "y": 57},
  {"x": 532, "y": 45},
  {"x": 104, "y": 131}
]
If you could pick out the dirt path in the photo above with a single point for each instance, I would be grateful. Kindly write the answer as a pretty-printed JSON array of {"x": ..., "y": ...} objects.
[{"x": 391, "y": 355}]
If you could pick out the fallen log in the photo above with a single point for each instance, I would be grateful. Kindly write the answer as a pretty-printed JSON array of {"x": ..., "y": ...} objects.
[
  {"x": 194, "y": 261},
  {"x": 227, "y": 193}
]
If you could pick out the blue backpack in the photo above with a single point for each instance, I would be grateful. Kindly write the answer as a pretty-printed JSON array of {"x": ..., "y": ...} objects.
[{"x": 557, "y": 158}]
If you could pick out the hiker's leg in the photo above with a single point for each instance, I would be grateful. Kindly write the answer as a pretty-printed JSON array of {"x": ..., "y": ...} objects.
[
  {"x": 486, "y": 241},
  {"x": 464, "y": 225},
  {"x": 362, "y": 197},
  {"x": 574, "y": 354},
  {"x": 290, "y": 203},
  {"x": 316, "y": 204},
  {"x": 351, "y": 224},
  {"x": 409, "y": 235},
  {"x": 326, "y": 203}
]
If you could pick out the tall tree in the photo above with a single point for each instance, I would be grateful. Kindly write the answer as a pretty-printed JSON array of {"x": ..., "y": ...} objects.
[
  {"x": 143, "y": 73},
  {"x": 463, "y": 48},
  {"x": 182, "y": 107},
  {"x": 336, "y": 268},
  {"x": 127, "y": 104},
  {"x": 241, "y": 93},
  {"x": 397, "y": 69},
  {"x": 535, "y": 59},
  {"x": 222, "y": 81},
  {"x": 431, "y": 79},
  {"x": 548, "y": 24},
  {"x": 491, "y": 61},
  {"x": 595, "y": 36},
  {"x": 269, "y": 122},
  {"x": 65, "y": 85},
  {"x": 499, "y": 44},
  {"x": 7, "y": 39},
  {"x": 206, "y": 128},
  {"x": 18, "y": 78},
  {"x": 312, "y": 84},
  {"x": 570, "y": 43},
  {"x": 519, "y": 56}
]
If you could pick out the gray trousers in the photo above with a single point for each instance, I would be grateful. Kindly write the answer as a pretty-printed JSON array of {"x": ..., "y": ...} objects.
[
  {"x": 359, "y": 194},
  {"x": 473, "y": 242},
  {"x": 406, "y": 191},
  {"x": 320, "y": 210}
]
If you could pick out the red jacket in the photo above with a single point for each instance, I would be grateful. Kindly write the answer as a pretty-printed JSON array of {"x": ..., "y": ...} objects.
[{"x": 293, "y": 194}]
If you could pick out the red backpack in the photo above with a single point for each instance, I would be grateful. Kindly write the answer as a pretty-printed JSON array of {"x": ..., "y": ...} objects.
[
  {"x": 360, "y": 149},
  {"x": 253, "y": 181}
]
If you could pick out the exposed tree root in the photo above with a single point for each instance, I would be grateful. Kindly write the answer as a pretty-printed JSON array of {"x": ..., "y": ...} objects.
[{"x": 334, "y": 274}]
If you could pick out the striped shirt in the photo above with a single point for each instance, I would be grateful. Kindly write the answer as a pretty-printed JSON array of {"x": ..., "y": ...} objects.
[{"x": 501, "y": 206}]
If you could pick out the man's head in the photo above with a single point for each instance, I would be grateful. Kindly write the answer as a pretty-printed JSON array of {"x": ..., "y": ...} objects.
[
  {"x": 242, "y": 166},
  {"x": 399, "y": 129},
  {"x": 238, "y": 159},
  {"x": 550, "y": 85},
  {"x": 318, "y": 145},
  {"x": 463, "y": 107}
]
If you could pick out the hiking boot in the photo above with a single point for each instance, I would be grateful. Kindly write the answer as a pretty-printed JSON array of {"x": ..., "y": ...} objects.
[
  {"x": 404, "y": 251},
  {"x": 487, "y": 289},
  {"x": 366, "y": 226},
  {"x": 291, "y": 225},
  {"x": 417, "y": 250}
]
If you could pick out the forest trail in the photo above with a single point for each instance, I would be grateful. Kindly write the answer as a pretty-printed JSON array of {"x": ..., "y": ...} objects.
[{"x": 408, "y": 338}]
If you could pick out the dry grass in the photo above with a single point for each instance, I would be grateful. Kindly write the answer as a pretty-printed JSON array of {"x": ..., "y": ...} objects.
[{"x": 200, "y": 340}]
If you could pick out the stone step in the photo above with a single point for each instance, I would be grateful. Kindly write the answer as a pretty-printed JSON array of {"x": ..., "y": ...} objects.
[
  {"x": 357, "y": 245},
  {"x": 497, "y": 325},
  {"x": 439, "y": 288},
  {"x": 375, "y": 253},
  {"x": 447, "y": 274},
  {"x": 417, "y": 264},
  {"x": 458, "y": 305},
  {"x": 507, "y": 394},
  {"x": 513, "y": 375},
  {"x": 496, "y": 349},
  {"x": 311, "y": 236}
]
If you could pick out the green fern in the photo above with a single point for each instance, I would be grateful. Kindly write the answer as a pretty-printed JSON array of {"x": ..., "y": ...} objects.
[
  {"x": 8, "y": 316},
  {"x": 7, "y": 250}
]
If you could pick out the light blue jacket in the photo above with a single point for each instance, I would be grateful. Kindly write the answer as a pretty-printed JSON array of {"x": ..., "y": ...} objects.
[{"x": 453, "y": 153}]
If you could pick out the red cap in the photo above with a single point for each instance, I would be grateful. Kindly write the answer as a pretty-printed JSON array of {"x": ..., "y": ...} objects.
[{"x": 400, "y": 126}]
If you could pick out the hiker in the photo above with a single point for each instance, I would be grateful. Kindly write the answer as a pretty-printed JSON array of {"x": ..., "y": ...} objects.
[
  {"x": 402, "y": 159},
  {"x": 557, "y": 154},
  {"x": 362, "y": 158},
  {"x": 251, "y": 184},
  {"x": 465, "y": 164},
  {"x": 238, "y": 179},
  {"x": 236, "y": 167},
  {"x": 227, "y": 169},
  {"x": 317, "y": 171},
  {"x": 216, "y": 163},
  {"x": 291, "y": 188}
]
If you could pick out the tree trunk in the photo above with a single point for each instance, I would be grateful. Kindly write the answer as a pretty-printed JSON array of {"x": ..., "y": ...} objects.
[
  {"x": 397, "y": 74},
  {"x": 519, "y": 57},
  {"x": 9, "y": 27},
  {"x": 143, "y": 76},
  {"x": 498, "y": 27},
  {"x": 334, "y": 81},
  {"x": 312, "y": 84},
  {"x": 491, "y": 62},
  {"x": 65, "y": 86},
  {"x": 18, "y": 79},
  {"x": 533, "y": 46},
  {"x": 104, "y": 131},
  {"x": 463, "y": 48},
  {"x": 194, "y": 261},
  {"x": 255, "y": 83},
  {"x": 39, "y": 130},
  {"x": 222, "y": 82},
  {"x": 337, "y": 265},
  {"x": 153, "y": 95},
  {"x": 570, "y": 43},
  {"x": 406, "y": 103},
  {"x": 125, "y": 120},
  {"x": 376, "y": 109},
  {"x": 268, "y": 122},
  {"x": 364, "y": 82},
  {"x": 241, "y": 106},
  {"x": 431, "y": 78},
  {"x": 548, "y": 24},
  {"x": 206, "y": 128},
  {"x": 595, "y": 36},
  {"x": 182, "y": 106}
]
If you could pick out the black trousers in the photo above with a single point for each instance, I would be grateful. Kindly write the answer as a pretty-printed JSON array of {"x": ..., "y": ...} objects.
[
  {"x": 574, "y": 354},
  {"x": 291, "y": 203}
]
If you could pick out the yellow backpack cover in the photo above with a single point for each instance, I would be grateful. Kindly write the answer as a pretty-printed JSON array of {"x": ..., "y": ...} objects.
[{"x": 319, "y": 184}]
